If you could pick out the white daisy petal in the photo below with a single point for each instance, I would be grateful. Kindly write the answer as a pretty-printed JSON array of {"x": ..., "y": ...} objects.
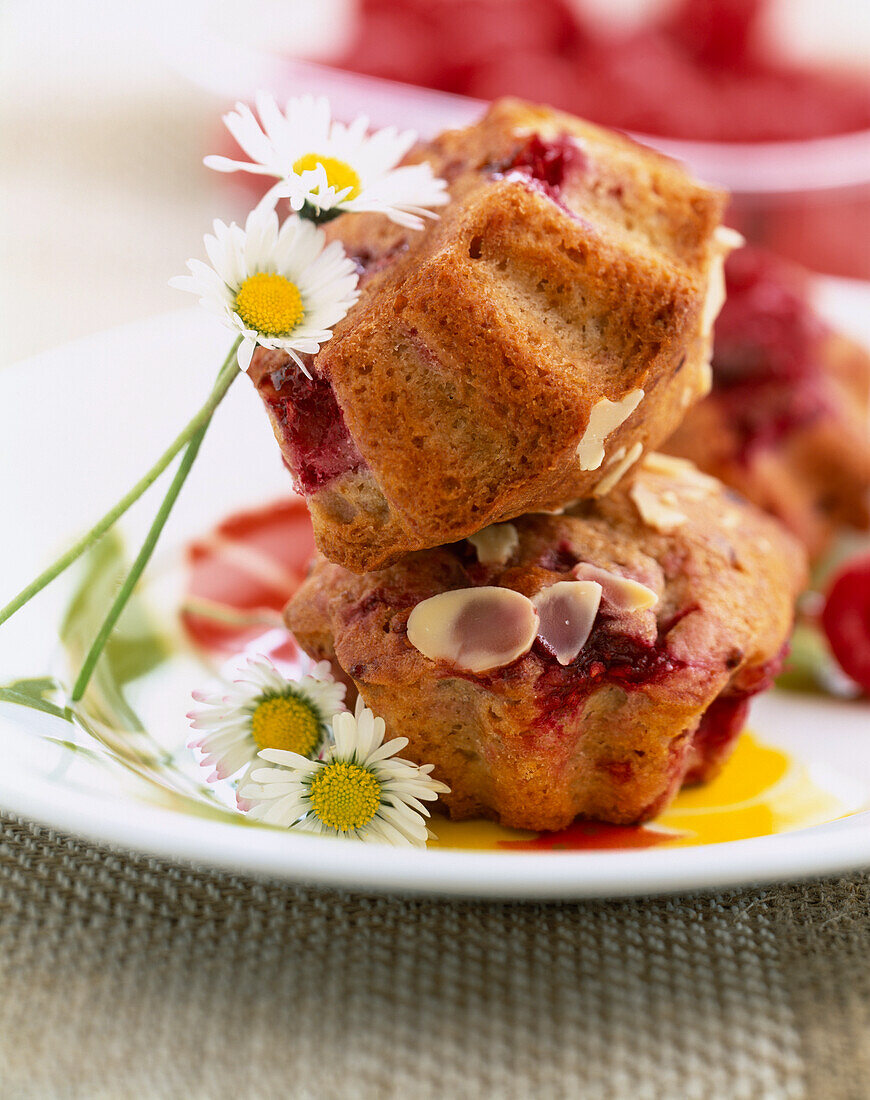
[
  {"x": 216, "y": 744},
  {"x": 368, "y": 173},
  {"x": 332, "y": 795},
  {"x": 261, "y": 236},
  {"x": 392, "y": 799},
  {"x": 233, "y": 760},
  {"x": 252, "y": 139},
  {"x": 273, "y": 122},
  {"x": 274, "y": 813},
  {"x": 399, "y": 832},
  {"x": 294, "y": 356},
  {"x": 245, "y": 354},
  {"x": 225, "y": 721},
  {"x": 390, "y": 748},
  {"x": 385, "y": 832},
  {"x": 240, "y": 285},
  {"x": 289, "y": 760},
  {"x": 225, "y": 164}
]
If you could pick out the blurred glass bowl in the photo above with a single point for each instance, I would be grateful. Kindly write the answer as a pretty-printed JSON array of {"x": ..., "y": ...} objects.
[{"x": 807, "y": 200}]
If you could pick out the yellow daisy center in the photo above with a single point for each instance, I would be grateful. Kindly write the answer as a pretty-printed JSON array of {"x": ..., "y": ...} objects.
[
  {"x": 339, "y": 174},
  {"x": 269, "y": 304},
  {"x": 286, "y": 722},
  {"x": 345, "y": 796}
]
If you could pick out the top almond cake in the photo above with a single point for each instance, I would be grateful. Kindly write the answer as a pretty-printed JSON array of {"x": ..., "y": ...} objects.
[{"x": 519, "y": 353}]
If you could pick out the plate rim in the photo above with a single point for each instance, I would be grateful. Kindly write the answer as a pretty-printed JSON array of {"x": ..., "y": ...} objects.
[{"x": 163, "y": 833}]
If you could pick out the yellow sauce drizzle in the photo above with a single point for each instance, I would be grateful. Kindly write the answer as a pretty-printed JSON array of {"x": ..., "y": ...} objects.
[{"x": 759, "y": 791}]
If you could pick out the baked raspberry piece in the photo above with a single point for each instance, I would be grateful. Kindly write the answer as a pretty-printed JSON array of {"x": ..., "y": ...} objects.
[
  {"x": 520, "y": 352},
  {"x": 786, "y": 421},
  {"x": 580, "y": 664},
  {"x": 846, "y": 619}
]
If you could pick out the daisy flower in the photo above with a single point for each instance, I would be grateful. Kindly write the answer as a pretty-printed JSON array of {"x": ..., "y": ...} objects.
[
  {"x": 280, "y": 288},
  {"x": 264, "y": 710},
  {"x": 356, "y": 789},
  {"x": 325, "y": 168}
]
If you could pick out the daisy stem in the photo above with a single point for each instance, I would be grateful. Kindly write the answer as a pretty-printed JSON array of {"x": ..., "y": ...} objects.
[
  {"x": 139, "y": 564},
  {"x": 225, "y": 378}
]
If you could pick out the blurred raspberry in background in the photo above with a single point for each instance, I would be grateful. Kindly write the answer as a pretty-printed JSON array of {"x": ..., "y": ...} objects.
[{"x": 846, "y": 619}]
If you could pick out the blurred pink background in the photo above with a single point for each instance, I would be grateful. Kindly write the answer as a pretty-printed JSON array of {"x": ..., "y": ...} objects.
[{"x": 108, "y": 109}]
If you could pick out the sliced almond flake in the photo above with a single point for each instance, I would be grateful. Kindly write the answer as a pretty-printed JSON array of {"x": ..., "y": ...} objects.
[
  {"x": 653, "y": 511},
  {"x": 495, "y": 544},
  {"x": 679, "y": 468},
  {"x": 567, "y": 611},
  {"x": 554, "y": 511},
  {"x": 705, "y": 379},
  {"x": 725, "y": 240},
  {"x": 616, "y": 471},
  {"x": 476, "y": 629},
  {"x": 623, "y": 594},
  {"x": 606, "y": 416}
]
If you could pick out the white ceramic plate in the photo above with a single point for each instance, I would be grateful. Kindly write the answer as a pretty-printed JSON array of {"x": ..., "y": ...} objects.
[{"x": 77, "y": 426}]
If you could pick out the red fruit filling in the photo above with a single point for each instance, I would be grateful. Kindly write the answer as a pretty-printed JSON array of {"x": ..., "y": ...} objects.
[
  {"x": 314, "y": 438},
  {"x": 723, "y": 720},
  {"x": 369, "y": 261},
  {"x": 715, "y": 736},
  {"x": 766, "y": 358},
  {"x": 846, "y": 619},
  {"x": 561, "y": 559},
  {"x": 547, "y": 161},
  {"x": 605, "y": 659},
  {"x": 544, "y": 165}
]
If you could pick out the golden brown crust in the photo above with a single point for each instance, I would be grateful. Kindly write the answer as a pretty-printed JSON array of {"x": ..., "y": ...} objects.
[
  {"x": 613, "y": 735},
  {"x": 467, "y": 374}
]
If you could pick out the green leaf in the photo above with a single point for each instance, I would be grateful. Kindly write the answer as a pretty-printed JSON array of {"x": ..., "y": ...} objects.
[
  {"x": 35, "y": 694},
  {"x": 805, "y": 664},
  {"x": 135, "y": 647}
]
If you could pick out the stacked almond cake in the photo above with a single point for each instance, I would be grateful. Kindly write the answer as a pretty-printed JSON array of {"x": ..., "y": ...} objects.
[{"x": 564, "y": 622}]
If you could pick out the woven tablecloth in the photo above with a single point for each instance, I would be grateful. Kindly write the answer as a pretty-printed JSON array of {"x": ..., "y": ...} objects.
[{"x": 123, "y": 976}]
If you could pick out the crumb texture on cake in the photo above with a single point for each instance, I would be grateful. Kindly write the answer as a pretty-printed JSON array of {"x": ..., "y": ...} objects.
[
  {"x": 692, "y": 622},
  {"x": 568, "y": 276}
]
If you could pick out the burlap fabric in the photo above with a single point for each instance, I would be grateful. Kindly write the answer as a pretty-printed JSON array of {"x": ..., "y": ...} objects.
[{"x": 127, "y": 977}]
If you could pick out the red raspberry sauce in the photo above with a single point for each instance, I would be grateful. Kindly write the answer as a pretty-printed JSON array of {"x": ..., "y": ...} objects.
[{"x": 251, "y": 563}]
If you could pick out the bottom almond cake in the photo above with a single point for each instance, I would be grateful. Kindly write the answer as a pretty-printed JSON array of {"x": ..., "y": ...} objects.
[{"x": 582, "y": 664}]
